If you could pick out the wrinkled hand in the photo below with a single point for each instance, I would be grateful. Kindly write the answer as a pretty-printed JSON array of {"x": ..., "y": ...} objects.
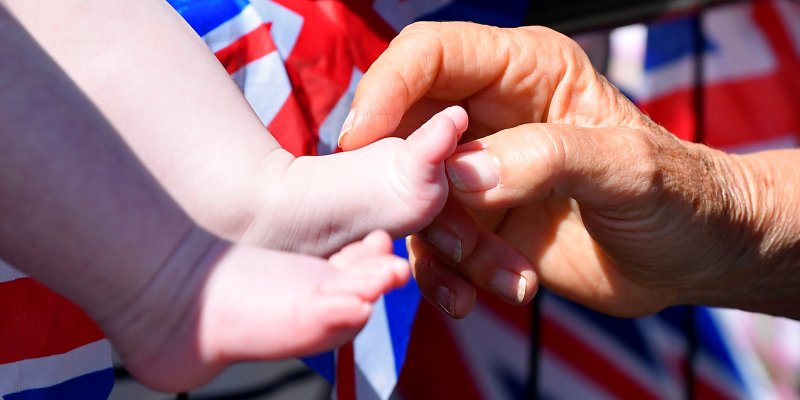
[{"x": 567, "y": 183}]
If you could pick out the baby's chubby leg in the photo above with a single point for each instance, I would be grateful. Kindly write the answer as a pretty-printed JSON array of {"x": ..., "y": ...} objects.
[
  {"x": 244, "y": 303},
  {"x": 318, "y": 204}
]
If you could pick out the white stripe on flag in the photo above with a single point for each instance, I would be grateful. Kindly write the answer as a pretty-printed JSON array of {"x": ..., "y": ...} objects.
[
  {"x": 285, "y": 29},
  {"x": 265, "y": 85},
  {"x": 329, "y": 129},
  {"x": 602, "y": 343},
  {"x": 733, "y": 326},
  {"x": 738, "y": 50},
  {"x": 234, "y": 28},
  {"x": 286, "y": 24},
  {"x": 48, "y": 371},
  {"x": 669, "y": 348},
  {"x": 373, "y": 354},
  {"x": 9, "y": 273}
]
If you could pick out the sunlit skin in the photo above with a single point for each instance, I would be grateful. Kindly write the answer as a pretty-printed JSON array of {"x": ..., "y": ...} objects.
[
  {"x": 566, "y": 183},
  {"x": 104, "y": 225},
  {"x": 192, "y": 128}
]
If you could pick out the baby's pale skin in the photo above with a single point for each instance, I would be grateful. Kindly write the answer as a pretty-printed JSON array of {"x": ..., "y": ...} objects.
[
  {"x": 82, "y": 213},
  {"x": 190, "y": 125}
]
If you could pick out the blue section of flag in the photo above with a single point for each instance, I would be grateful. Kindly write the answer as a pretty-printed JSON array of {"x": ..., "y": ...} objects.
[
  {"x": 507, "y": 13},
  {"x": 712, "y": 342},
  {"x": 95, "y": 385},
  {"x": 401, "y": 308},
  {"x": 672, "y": 40},
  {"x": 399, "y": 248},
  {"x": 205, "y": 15},
  {"x": 323, "y": 364}
]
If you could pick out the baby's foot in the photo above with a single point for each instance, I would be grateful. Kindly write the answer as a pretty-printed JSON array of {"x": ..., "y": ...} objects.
[
  {"x": 260, "y": 304},
  {"x": 322, "y": 203}
]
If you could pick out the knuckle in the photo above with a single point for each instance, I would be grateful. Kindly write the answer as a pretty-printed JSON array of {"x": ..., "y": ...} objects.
[
  {"x": 424, "y": 28},
  {"x": 643, "y": 166}
]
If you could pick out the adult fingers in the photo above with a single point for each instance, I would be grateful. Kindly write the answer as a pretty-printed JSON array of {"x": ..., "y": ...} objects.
[
  {"x": 503, "y": 77},
  {"x": 438, "y": 283},
  {"x": 456, "y": 246},
  {"x": 424, "y": 59},
  {"x": 599, "y": 167}
]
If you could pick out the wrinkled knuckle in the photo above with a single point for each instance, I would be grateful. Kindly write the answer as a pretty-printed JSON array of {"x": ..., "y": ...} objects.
[
  {"x": 556, "y": 150},
  {"x": 643, "y": 154},
  {"x": 420, "y": 28}
]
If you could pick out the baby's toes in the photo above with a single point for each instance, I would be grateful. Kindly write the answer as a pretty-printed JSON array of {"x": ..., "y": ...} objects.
[
  {"x": 331, "y": 321},
  {"x": 435, "y": 140},
  {"x": 375, "y": 244},
  {"x": 369, "y": 279}
]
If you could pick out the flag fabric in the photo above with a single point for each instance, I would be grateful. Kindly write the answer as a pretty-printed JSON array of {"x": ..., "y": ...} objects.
[
  {"x": 49, "y": 349},
  {"x": 303, "y": 95},
  {"x": 298, "y": 62},
  {"x": 748, "y": 101}
]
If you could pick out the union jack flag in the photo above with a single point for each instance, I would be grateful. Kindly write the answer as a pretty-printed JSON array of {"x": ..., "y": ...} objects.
[
  {"x": 298, "y": 62},
  {"x": 49, "y": 349}
]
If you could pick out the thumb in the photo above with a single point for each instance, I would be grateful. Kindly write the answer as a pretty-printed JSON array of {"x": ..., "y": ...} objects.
[
  {"x": 393, "y": 83},
  {"x": 425, "y": 61},
  {"x": 599, "y": 167}
]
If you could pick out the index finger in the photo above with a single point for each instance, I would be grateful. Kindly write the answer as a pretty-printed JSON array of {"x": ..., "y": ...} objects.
[{"x": 442, "y": 61}]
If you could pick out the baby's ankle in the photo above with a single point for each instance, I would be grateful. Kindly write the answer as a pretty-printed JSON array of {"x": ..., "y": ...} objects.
[{"x": 157, "y": 323}]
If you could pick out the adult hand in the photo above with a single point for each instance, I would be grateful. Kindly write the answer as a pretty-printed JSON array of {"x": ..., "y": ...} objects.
[{"x": 606, "y": 207}]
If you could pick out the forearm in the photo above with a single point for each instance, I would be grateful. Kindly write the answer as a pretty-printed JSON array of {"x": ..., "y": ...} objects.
[
  {"x": 78, "y": 211},
  {"x": 761, "y": 271},
  {"x": 166, "y": 94}
]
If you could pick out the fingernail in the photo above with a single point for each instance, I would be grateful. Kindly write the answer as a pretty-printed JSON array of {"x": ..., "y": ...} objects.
[
  {"x": 445, "y": 242},
  {"x": 446, "y": 300},
  {"x": 509, "y": 285},
  {"x": 346, "y": 126},
  {"x": 473, "y": 171}
]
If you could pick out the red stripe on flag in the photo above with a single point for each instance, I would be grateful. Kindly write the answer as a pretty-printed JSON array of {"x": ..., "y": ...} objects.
[
  {"x": 594, "y": 367},
  {"x": 752, "y": 110},
  {"x": 767, "y": 16},
  {"x": 368, "y": 34},
  {"x": 515, "y": 316},
  {"x": 675, "y": 112},
  {"x": 322, "y": 61},
  {"x": 37, "y": 322},
  {"x": 320, "y": 65},
  {"x": 743, "y": 110},
  {"x": 248, "y": 48},
  {"x": 345, "y": 373},
  {"x": 436, "y": 367},
  {"x": 737, "y": 113},
  {"x": 292, "y": 130},
  {"x": 706, "y": 390}
]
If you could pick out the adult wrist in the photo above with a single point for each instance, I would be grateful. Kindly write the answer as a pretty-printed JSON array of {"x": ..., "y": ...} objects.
[{"x": 753, "y": 245}]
